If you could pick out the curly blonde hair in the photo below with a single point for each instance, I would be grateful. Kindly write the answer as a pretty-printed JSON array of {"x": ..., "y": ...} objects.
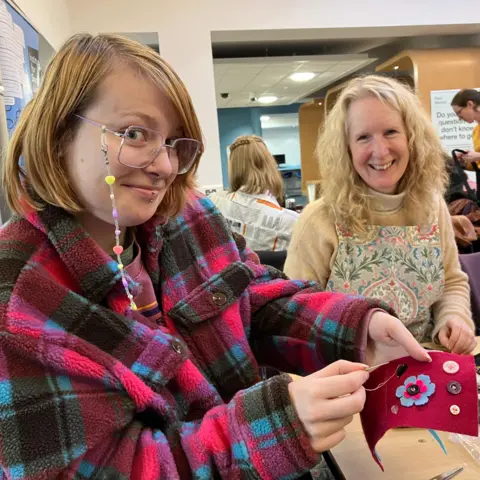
[
  {"x": 342, "y": 189},
  {"x": 252, "y": 168}
]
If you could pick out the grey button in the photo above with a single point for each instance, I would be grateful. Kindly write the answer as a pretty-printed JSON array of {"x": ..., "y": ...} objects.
[
  {"x": 219, "y": 299},
  {"x": 177, "y": 346},
  {"x": 454, "y": 387},
  {"x": 413, "y": 390}
]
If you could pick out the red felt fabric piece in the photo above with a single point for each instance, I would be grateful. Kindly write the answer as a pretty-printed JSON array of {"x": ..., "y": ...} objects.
[{"x": 377, "y": 416}]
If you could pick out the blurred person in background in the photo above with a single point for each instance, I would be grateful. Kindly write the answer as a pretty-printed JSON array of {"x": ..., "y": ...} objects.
[
  {"x": 466, "y": 105},
  {"x": 252, "y": 206}
]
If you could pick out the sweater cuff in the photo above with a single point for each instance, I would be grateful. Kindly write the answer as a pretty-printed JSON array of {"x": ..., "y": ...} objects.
[
  {"x": 352, "y": 336},
  {"x": 278, "y": 446},
  {"x": 362, "y": 337}
]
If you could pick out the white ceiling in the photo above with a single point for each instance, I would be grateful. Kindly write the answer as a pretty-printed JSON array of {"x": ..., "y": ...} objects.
[
  {"x": 301, "y": 34},
  {"x": 245, "y": 78}
]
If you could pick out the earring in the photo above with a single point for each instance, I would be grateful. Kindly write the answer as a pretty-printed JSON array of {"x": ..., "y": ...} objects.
[{"x": 117, "y": 249}]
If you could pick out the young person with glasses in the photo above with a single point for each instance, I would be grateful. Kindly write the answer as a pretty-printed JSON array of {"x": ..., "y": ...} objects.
[{"x": 133, "y": 323}]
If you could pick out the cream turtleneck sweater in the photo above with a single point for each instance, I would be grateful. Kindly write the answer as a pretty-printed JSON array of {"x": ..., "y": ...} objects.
[{"x": 314, "y": 246}]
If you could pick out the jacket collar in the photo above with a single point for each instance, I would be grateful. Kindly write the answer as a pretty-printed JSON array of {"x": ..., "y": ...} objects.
[{"x": 89, "y": 265}]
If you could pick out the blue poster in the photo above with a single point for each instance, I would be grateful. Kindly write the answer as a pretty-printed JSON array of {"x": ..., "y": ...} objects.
[{"x": 19, "y": 62}]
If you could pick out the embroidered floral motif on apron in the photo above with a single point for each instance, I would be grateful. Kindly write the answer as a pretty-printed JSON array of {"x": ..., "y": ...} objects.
[{"x": 403, "y": 266}]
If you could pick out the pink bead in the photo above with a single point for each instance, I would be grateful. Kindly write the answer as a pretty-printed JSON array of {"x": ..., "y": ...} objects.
[
  {"x": 118, "y": 249},
  {"x": 115, "y": 213}
]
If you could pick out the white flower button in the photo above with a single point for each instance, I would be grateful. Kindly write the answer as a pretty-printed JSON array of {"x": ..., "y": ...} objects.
[
  {"x": 454, "y": 409},
  {"x": 451, "y": 367}
]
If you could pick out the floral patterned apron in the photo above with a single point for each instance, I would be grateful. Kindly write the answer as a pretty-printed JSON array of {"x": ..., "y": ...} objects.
[{"x": 403, "y": 266}]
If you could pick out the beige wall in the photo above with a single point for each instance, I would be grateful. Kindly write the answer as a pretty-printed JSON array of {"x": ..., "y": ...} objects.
[
  {"x": 50, "y": 17},
  {"x": 441, "y": 69}
]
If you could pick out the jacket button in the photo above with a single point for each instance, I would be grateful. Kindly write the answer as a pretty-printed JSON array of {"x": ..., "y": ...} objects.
[
  {"x": 219, "y": 299},
  {"x": 454, "y": 388},
  {"x": 177, "y": 346}
]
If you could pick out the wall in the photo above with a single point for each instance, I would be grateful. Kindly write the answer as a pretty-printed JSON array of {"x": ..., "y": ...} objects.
[
  {"x": 184, "y": 34},
  {"x": 233, "y": 122},
  {"x": 440, "y": 69},
  {"x": 214, "y": 15},
  {"x": 45, "y": 52},
  {"x": 284, "y": 140},
  {"x": 51, "y": 18},
  {"x": 310, "y": 118}
]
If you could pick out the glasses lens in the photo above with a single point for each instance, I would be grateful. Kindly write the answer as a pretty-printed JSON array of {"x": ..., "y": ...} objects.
[
  {"x": 183, "y": 153},
  {"x": 140, "y": 146}
]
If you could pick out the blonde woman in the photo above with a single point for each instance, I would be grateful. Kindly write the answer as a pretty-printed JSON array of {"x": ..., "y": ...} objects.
[
  {"x": 252, "y": 207},
  {"x": 381, "y": 227},
  {"x": 132, "y": 322}
]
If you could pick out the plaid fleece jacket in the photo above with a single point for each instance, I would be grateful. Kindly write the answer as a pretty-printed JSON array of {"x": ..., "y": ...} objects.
[{"x": 91, "y": 390}]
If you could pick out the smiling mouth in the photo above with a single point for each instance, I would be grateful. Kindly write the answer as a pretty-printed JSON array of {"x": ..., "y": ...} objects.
[
  {"x": 145, "y": 192},
  {"x": 380, "y": 168}
]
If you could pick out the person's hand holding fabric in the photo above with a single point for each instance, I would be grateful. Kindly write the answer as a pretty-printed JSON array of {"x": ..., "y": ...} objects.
[{"x": 457, "y": 337}]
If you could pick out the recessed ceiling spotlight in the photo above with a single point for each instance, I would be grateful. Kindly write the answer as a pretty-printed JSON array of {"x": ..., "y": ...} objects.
[
  {"x": 267, "y": 99},
  {"x": 302, "y": 76}
]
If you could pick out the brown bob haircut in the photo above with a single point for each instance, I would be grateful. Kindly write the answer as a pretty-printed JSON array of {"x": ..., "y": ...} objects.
[
  {"x": 462, "y": 97},
  {"x": 49, "y": 123}
]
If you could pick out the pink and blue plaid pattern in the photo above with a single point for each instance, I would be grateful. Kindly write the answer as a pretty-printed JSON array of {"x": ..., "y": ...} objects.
[{"x": 88, "y": 390}]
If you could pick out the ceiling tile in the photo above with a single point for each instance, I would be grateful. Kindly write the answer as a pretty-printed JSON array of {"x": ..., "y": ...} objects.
[
  {"x": 220, "y": 69},
  {"x": 243, "y": 77}
]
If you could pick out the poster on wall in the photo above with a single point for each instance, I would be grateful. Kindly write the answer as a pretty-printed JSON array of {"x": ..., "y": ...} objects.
[
  {"x": 453, "y": 132},
  {"x": 19, "y": 62}
]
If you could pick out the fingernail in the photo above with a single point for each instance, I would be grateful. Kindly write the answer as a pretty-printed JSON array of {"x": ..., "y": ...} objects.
[{"x": 428, "y": 357}]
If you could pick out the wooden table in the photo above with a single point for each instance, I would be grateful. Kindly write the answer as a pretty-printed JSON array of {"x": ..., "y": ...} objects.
[{"x": 407, "y": 454}]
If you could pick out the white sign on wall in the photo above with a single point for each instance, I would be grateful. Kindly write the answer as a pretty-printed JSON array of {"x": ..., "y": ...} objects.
[{"x": 453, "y": 132}]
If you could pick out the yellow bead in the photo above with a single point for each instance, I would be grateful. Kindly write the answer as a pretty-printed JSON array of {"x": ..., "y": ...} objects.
[
  {"x": 110, "y": 179},
  {"x": 120, "y": 266},
  {"x": 134, "y": 306}
]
